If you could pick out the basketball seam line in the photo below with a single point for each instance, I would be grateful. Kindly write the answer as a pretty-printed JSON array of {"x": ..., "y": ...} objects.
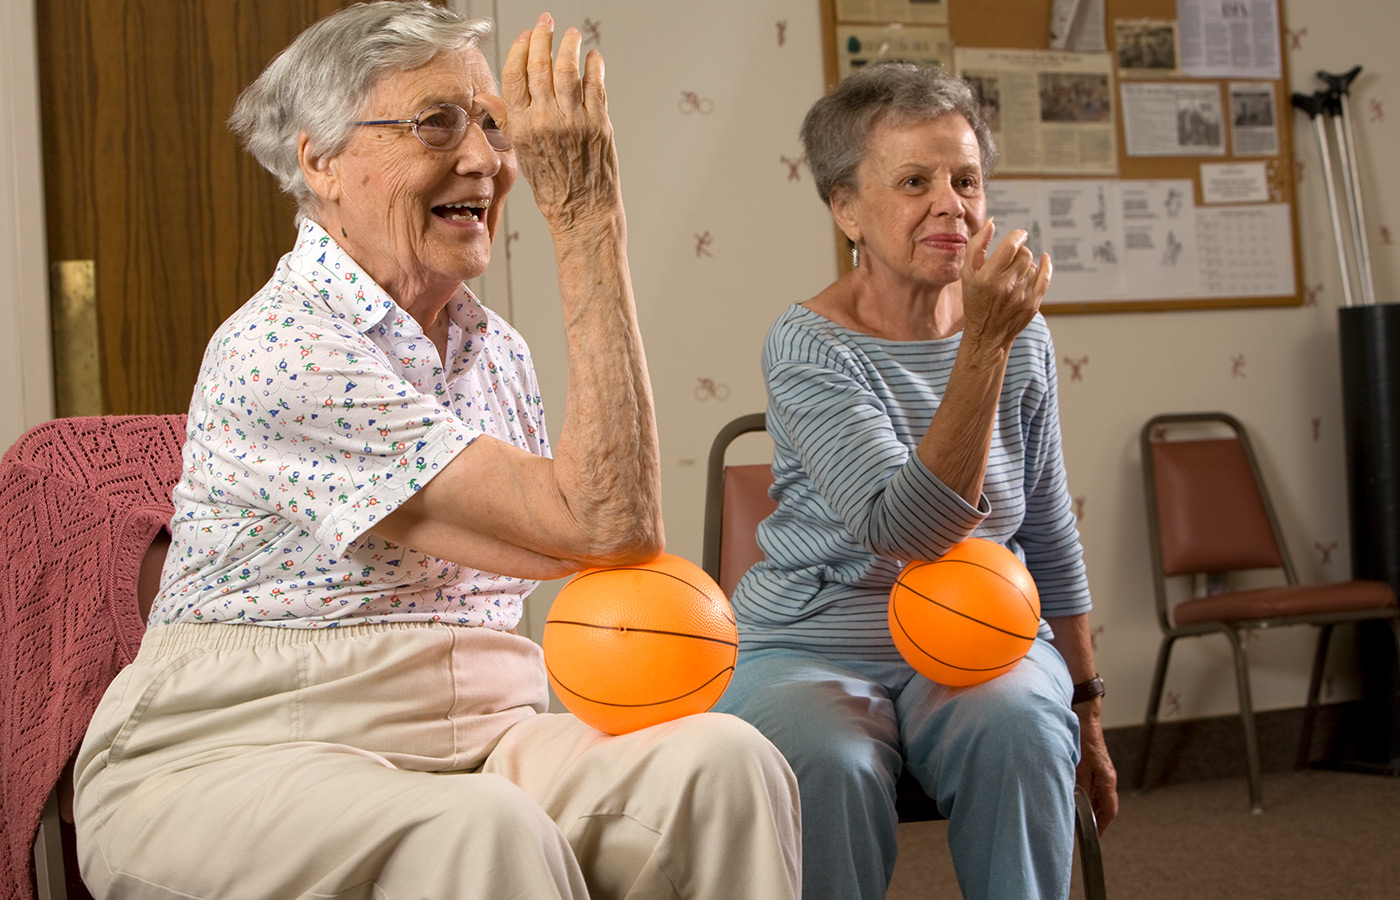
[
  {"x": 901, "y": 583},
  {"x": 698, "y": 637},
  {"x": 608, "y": 569},
  {"x": 560, "y": 683},
  {"x": 951, "y": 665}
]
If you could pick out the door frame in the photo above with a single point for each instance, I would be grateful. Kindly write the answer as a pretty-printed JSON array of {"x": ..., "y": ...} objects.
[{"x": 25, "y": 351}]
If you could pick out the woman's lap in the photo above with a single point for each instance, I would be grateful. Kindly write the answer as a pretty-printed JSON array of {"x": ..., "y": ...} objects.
[
  {"x": 178, "y": 794},
  {"x": 849, "y": 727}
]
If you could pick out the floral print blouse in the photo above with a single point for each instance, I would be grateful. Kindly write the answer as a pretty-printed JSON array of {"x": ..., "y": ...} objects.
[{"x": 321, "y": 406}]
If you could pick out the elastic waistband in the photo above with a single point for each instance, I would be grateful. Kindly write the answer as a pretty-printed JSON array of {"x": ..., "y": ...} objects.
[{"x": 169, "y": 640}]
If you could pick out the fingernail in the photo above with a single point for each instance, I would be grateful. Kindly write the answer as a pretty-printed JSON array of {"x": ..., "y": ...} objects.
[{"x": 546, "y": 20}]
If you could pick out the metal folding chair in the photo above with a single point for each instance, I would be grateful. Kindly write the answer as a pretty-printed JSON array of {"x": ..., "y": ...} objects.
[{"x": 1210, "y": 519}]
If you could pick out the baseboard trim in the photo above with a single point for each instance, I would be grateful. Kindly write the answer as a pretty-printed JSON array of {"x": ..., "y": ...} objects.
[{"x": 1201, "y": 749}]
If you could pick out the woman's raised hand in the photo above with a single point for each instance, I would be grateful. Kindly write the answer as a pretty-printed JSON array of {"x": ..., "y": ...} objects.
[
  {"x": 1002, "y": 290},
  {"x": 557, "y": 120}
]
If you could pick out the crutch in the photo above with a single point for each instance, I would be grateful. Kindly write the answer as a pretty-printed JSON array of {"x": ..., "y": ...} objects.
[
  {"x": 1315, "y": 105},
  {"x": 1337, "y": 109}
]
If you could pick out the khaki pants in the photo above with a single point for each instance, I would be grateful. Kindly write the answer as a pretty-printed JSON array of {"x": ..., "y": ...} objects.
[{"x": 410, "y": 761}]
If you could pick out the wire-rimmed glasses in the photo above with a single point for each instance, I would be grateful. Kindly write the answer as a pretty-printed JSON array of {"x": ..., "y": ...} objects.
[{"x": 443, "y": 125}]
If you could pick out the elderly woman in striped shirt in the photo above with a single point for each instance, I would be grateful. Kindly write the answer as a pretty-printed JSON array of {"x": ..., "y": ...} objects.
[{"x": 912, "y": 404}]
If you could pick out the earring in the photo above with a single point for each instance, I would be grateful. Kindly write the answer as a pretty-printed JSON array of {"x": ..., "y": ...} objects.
[{"x": 855, "y": 256}]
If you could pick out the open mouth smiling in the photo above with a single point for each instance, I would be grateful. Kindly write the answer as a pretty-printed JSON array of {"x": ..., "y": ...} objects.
[{"x": 466, "y": 211}]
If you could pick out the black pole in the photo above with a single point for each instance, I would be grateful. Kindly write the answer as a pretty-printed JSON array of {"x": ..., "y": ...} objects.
[{"x": 1370, "y": 348}]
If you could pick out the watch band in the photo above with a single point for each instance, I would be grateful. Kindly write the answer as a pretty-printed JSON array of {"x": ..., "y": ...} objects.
[{"x": 1087, "y": 690}]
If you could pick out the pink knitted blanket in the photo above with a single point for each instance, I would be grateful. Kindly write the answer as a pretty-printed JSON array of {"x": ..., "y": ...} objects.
[{"x": 80, "y": 501}]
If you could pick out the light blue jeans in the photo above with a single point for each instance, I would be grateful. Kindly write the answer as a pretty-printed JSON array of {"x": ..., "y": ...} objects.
[{"x": 998, "y": 758}]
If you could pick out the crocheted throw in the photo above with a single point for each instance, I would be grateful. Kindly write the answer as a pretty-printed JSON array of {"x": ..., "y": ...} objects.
[{"x": 80, "y": 501}]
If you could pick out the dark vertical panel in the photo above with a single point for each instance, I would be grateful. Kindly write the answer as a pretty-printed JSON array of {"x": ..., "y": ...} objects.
[{"x": 143, "y": 176}]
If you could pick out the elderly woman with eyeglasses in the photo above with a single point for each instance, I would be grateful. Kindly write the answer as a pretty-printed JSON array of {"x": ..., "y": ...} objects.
[
  {"x": 331, "y": 699},
  {"x": 912, "y": 404}
]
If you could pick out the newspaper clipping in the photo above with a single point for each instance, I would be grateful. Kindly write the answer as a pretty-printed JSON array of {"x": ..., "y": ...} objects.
[
  {"x": 1051, "y": 112},
  {"x": 1234, "y": 39},
  {"x": 1253, "y": 126},
  {"x": 1145, "y": 48},
  {"x": 1172, "y": 119}
]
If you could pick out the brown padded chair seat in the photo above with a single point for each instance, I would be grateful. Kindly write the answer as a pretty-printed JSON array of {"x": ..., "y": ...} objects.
[{"x": 1285, "y": 600}]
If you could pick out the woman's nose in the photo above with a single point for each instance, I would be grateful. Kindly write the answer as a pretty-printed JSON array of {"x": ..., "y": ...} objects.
[
  {"x": 946, "y": 200},
  {"x": 475, "y": 155}
]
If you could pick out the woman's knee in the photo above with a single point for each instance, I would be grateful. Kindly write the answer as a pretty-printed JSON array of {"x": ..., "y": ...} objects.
[
  {"x": 718, "y": 745},
  {"x": 1024, "y": 727}
]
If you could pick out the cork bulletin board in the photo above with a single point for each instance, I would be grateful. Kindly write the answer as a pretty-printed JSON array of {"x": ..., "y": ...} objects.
[{"x": 1146, "y": 144}]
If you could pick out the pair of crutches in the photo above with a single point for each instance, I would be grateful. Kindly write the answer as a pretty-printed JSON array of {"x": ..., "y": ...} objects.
[{"x": 1331, "y": 103}]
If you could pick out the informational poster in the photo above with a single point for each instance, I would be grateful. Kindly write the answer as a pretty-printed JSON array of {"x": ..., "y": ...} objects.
[
  {"x": 1229, "y": 38},
  {"x": 1245, "y": 251},
  {"x": 1159, "y": 239},
  {"x": 1051, "y": 112},
  {"x": 913, "y": 12},
  {"x": 1234, "y": 183},
  {"x": 1172, "y": 119},
  {"x": 1078, "y": 222},
  {"x": 1112, "y": 240},
  {"x": 862, "y": 45}
]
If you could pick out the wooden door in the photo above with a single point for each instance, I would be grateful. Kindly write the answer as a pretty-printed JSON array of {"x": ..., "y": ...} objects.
[{"x": 143, "y": 178}]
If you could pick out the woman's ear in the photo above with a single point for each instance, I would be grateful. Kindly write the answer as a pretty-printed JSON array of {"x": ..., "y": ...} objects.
[
  {"x": 843, "y": 212},
  {"x": 320, "y": 175}
]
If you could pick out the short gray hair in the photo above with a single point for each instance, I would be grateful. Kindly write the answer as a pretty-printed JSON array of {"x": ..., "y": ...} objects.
[
  {"x": 836, "y": 130},
  {"x": 323, "y": 79}
]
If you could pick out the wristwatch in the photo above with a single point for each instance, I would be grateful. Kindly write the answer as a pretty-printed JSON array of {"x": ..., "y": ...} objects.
[{"x": 1085, "y": 691}]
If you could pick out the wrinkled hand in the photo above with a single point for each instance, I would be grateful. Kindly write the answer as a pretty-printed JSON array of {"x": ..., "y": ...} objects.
[
  {"x": 557, "y": 120},
  {"x": 1096, "y": 772},
  {"x": 1001, "y": 291}
]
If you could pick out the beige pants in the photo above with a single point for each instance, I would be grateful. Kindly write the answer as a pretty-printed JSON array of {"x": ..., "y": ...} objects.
[{"x": 394, "y": 762}]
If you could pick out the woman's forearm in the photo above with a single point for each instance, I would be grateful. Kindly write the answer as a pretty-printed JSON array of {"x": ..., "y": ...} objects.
[
  {"x": 607, "y": 457},
  {"x": 958, "y": 442}
]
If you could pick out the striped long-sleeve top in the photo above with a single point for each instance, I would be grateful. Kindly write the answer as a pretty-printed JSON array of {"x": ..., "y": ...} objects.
[{"x": 855, "y": 504}]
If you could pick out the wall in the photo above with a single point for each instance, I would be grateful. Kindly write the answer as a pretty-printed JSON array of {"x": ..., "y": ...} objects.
[{"x": 726, "y": 231}]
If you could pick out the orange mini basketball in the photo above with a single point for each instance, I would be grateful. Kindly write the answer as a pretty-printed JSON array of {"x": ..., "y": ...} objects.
[
  {"x": 967, "y": 616},
  {"x": 630, "y": 646}
]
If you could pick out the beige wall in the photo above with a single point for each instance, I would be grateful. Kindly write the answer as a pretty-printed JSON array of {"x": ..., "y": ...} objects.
[{"x": 720, "y": 171}]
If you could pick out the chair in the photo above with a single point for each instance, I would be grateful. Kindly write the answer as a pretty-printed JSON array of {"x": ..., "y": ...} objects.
[
  {"x": 83, "y": 505},
  {"x": 1209, "y": 521},
  {"x": 736, "y": 501}
]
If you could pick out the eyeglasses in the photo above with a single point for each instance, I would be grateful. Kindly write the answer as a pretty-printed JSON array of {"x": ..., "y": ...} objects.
[{"x": 442, "y": 126}]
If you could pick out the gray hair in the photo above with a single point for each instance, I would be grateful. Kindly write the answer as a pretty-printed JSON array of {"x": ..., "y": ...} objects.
[
  {"x": 324, "y": 78},
  {"x": 836, "y": 131}
]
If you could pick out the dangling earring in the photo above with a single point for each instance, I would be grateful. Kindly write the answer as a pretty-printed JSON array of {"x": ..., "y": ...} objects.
[{"x": 855, "y": 256}]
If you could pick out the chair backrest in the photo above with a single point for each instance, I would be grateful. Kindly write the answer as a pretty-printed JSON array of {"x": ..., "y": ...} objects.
[
  {"x": 1207, "y": 507},
  {"x": 736, "y": 500},
  {"x": 85, "y": 503}
]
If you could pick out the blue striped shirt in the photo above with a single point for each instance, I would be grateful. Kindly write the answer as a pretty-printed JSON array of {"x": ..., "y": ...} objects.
[{"x": 845, "y": 411}]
